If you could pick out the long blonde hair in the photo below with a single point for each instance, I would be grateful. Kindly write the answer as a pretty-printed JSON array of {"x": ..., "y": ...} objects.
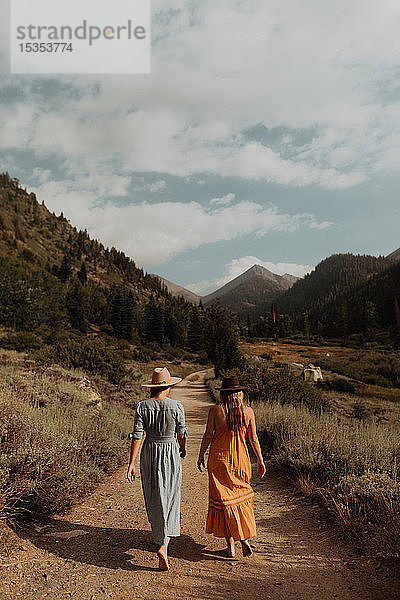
[{"x": 233, "y": 405}]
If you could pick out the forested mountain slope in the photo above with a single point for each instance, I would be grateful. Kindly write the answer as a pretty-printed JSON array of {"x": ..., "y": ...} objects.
[{"x": 54, "y": 279}]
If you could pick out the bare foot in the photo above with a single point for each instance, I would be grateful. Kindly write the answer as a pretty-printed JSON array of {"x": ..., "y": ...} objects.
[
  {"x": 163, "y": 563},
  {"x": 246, "y": 548},
  {"x": 230, "y": 550}
]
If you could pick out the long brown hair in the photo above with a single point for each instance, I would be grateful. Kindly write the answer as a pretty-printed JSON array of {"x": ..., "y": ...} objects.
[{"x": 233, "y": 405}]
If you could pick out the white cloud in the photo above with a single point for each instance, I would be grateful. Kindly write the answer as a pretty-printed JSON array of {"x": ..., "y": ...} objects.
[
  {"x": 154, "y": 233},
  {"x": 16, "y": 126},
  {"x": 152, "y": 187},
  {"x": 237, "y": 266},
  {"x": 223, "y": 200},
  {"x": 219, "y": 68}
]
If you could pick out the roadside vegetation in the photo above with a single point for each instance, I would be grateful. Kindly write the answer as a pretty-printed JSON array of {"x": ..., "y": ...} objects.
[{"x": 58, "y": 436}]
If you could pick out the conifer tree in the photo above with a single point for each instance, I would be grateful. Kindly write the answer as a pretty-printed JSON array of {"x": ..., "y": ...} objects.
[
  {"x": 396, "y": 321},
  {"x": 82, "y": 273},
  {"x": 248, "y": 324},
  {"x": 196, "y": 333},
  {"x": 343, "y": 320},
  {"x": 65, "y": 269},
  {"x": 76, "y": 304},
  {"x": 154, "y": 321},
  {"x": 306, "y": 326},
  {"x": 223, "y": 339}
]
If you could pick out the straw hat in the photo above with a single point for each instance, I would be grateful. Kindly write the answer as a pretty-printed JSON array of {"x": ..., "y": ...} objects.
[
  {"x": 231, "y": 384},
  {"x": 161, "y": 378}
]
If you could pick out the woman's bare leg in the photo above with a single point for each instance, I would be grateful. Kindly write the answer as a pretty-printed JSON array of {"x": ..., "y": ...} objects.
[
  {"x": 230, "y": 543},
  {"x": 162, "y": 554},
  {"x": 246, "y": 548}
]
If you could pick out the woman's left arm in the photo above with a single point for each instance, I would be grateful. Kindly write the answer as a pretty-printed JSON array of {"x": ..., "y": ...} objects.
[
  {"x": 182, "y": 445},
  {"x": 207, "y": 437},
  {"x": 254, "y": 441}
]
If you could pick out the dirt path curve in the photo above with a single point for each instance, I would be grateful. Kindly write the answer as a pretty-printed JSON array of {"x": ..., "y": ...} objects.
[{"x": 103, "y": 548}]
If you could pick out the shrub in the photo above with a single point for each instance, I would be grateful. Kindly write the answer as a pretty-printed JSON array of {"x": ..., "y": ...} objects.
[
  {"x": 54, "y": 445},
  {"x": 28, "y": 255},
  {"x": 265, "y": 384},
  {"x": 361, "y": 411},
  {"x": 341, "y": 384},
  {"x": 371, "y": 366},
  {"x": 146, "y": 353},
  {"x": 267, "y": 356},
  {"x": 20, "y": 341},
  {"x": 91, "y": 355}
]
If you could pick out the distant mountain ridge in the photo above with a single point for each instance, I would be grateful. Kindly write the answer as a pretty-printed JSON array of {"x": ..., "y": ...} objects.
[
  {"x": 178, "y": 291},
  {"x": 275, "y": 281},
  {"x": 333, "y": 281},
  {"x": 332, "y": 277},
  {"x": 250, "y": 290},
  {"x": 244, "y": 294},
  {"x": 394, "y": 255}
]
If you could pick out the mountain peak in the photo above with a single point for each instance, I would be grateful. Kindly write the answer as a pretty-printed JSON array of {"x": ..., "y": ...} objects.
[
  {"x": 395, "y": 255},
  {"x": 258, "y": 270},
  {"x": 248, "y": 291}
]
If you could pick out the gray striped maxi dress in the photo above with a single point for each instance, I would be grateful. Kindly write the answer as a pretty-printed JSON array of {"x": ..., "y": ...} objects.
[{"x": 160, "y": 463}]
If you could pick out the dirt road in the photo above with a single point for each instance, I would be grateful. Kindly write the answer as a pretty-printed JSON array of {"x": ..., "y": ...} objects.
[{"x": 103, "y": 548}]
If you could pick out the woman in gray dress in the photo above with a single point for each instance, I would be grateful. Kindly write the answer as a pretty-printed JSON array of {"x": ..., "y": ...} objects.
[{"x": 163, "y": 420}]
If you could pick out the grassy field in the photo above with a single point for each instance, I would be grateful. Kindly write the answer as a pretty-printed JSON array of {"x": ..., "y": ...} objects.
[{"x": 341, "y": 364}]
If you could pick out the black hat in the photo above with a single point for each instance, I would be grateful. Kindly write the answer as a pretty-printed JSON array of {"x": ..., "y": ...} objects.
[{"x": 231, "y": 384}]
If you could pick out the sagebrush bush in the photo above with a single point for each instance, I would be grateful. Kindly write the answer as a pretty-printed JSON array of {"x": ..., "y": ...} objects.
[
  {"x": 91, "y": 355},
  {"x": 361, "y": 411},
  {"x": 20, "y": 341},
  {"x": 340, "y": 384},
  {"x": 352, "y": 466}
]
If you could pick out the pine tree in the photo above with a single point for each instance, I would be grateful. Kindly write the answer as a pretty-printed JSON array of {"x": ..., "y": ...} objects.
[
  {"x": 274, "y": 321},
  {"x": 154, "y": 321},
  {"x": 248, "y": 325},
  {"x": 65, "y": 269},
  {"x": 306, "y": 326},
  {"x": 122, "y": 313},
  {"x": 223, "y": 339},
  {"x": 343, "y": 320},
  {"x": 396, "y": 321},
  {"x": 370, "y": 316},
  {"x": 82, "y": 273},
  {"x": 76, "y": 304},
  {"x": 196, "y": 334}
]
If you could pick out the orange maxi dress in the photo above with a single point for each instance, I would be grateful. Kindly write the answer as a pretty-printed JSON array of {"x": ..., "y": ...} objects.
[{"x": 230, "y": 509}]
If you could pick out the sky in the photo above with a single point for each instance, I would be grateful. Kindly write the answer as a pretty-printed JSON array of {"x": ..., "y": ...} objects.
[{"x": 268, "y": 132}]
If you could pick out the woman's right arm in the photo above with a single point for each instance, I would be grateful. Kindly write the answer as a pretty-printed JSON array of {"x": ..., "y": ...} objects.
[
  {"x": 255, "y": 444},
  {"x": 136, "y": 436},
  {"x": 135, "y": 445},
  {"x": 207, "y": 437}
]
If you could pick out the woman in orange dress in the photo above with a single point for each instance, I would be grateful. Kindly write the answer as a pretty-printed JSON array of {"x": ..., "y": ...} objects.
[{"x": 230, "y": 509}]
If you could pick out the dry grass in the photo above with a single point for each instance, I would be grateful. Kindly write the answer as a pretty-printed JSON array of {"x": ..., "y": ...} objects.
[
  {"x": 351, "y": 465},
  {"x": 57, "y": 439}
]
